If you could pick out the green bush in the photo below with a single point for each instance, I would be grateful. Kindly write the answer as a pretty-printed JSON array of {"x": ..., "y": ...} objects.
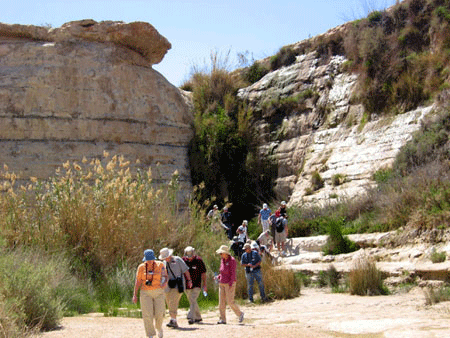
[
  {"x": 336, "y": 242},
  {"x": 438, "y": 257},
  {"x": 285, "y": 57},
  {"x": 254, "y": 73},
  {"x": 317, "y": 181}
]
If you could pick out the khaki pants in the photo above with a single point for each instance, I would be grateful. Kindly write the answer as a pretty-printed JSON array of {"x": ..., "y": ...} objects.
[
  {"x": 194, "y": 310},
  {"x": 226, "y": 296},
  {"x": 153, "y": 308},
  {"x": 172, "y": 300}
]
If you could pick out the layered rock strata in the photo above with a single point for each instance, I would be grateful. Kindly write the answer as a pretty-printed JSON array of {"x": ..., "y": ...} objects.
[{"x": 86, "y": 87}]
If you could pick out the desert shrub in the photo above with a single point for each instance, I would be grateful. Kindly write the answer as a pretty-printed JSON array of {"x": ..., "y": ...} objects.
[
  {"x": 337, "y": 179},
  {"x": 317, "y": 181},
  {"x": 365, "y": 279},
  {"x": 336, "y": 242},
  {"x": 254, "y": 73},
  {"x": 40, "y": 287},
  {"x": 285, "y": 57},
  {"x": 434, "y": 296},
  {"x": 438, "y": 257}
]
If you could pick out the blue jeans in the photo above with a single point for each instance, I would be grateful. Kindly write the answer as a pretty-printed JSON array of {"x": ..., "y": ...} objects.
[{"x": 251, "y": 276}]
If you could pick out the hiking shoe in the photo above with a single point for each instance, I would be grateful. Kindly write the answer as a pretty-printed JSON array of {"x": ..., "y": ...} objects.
[
  {"x": 241, "y": 317},
  {"x": 172, "y": 323},
  {"x": 191, "y": 321},
  {"x": 221, "y": 322}
]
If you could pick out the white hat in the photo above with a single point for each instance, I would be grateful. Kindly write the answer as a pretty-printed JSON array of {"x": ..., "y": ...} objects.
[
  {"x": 283, "y": 202},
  {"x": 245, "y": 222},
  {"x": 223, "y": 249},
  {"x": 189, "y": 251},
  {"x": 215, "y": 206},
  {"x": 255, "y": 245},
  {"x": 165, "y": 252},
  {"x": 265, "y": 206}
]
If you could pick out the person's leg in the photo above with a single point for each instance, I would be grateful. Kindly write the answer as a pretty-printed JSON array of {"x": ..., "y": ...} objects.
[
  {"x": 194, "y": 310},
  {"x": 258, "y": 277},
  {"x": 173, "y": 298},
  {"x": 250, "y": 282},
  {"x": 230, "y": 299},
  {"x": 222, "y": 302},
  {"x": 146, "y": 300},
  {"x": 159, "y": 307}
]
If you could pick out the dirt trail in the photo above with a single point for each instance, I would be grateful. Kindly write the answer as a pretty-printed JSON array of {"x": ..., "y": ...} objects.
[{"x": 317, "y": 313}]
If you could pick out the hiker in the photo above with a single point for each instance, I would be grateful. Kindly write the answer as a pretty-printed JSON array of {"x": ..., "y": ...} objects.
[
  {"x": 283, "y": 211},
  {"x": 215, "y": 218},
  {"x": 179, "y": 278},
  {"x": 227, "y": 285},
  {"x": 263, "y": 217},
  {"x": 281, "y": 232},
  {"x": 151, "y": 278},
  {"x": 251, "y": 260},
  {"x": 265, "y": 239},
  {"x": 272, "y": 221},
  {"x": 242, "y": 237},
  {"x": 226, "y": 220},
  {"x": 197, "y": 271}
]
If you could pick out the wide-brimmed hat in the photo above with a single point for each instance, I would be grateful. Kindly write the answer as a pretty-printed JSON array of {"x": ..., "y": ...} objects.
[
  {"x": 149, "y": 255},
  {"x": 223, "y": 249},
  {"x": 165, "y": 252},
  {"x": 247, "y": 246},
  {"x": 189, "y": 251}
]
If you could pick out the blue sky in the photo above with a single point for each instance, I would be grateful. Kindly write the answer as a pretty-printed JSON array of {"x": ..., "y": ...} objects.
[{"x": 195, "y": 28}]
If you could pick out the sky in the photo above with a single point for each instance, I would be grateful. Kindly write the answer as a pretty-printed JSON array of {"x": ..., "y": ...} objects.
[{"x": 198, "y": 28}]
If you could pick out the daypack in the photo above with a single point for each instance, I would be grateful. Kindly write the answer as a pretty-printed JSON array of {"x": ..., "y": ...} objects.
[{"x": 279, "y": 224}]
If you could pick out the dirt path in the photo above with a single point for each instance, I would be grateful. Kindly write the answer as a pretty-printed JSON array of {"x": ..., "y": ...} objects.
[{"x": 316, "y": 313}]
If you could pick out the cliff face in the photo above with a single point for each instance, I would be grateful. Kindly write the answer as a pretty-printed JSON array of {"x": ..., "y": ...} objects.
[
  {"x": 86, "y": 87},
  {"x": 326, "y": 137}
]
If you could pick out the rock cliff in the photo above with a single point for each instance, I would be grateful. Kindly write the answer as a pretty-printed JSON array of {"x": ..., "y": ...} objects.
[
  {"x": 86, "y": 87},
  {"x": 328, "y": 136}
]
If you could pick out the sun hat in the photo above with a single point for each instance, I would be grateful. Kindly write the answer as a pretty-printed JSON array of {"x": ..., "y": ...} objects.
[
  {"x": 149, "y": 255},
  {"x": 245, "y": 222},
  {"x": 254, "y": 245},
  {"x": 283, "y": 203},
  {"x": 189, "y": 251},
  {"x": 223, "y": 249},
  {"x": 247, "y": 246},
  {"x": 165, "y": 252},
  {"x": 215, "y": 206},
  {"x": 264, "y": 206}
]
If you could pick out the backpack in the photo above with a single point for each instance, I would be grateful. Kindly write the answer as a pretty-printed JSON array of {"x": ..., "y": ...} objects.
[{"x": 279, "y": 224}]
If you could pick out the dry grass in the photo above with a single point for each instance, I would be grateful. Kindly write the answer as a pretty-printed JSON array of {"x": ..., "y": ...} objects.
[{"x": 365, "y": 278}]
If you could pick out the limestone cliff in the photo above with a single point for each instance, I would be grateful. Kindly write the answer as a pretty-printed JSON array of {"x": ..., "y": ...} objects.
[
  {"x": 86, "y": 87},
  {"x": 326, "y": 136}
]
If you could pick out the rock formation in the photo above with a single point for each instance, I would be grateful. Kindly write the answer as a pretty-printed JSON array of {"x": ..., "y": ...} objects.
[
  {"x": 326, "y": 137},
  {"x": 86, "y": 87}
]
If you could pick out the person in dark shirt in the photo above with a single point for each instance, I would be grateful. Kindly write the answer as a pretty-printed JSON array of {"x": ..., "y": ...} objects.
[
  {"x": 197, "y": 271},
  {"x": 226, "y": 219}
]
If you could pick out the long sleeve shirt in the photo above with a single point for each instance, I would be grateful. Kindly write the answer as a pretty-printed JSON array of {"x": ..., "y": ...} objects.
[{"x": 227, "y": 271}]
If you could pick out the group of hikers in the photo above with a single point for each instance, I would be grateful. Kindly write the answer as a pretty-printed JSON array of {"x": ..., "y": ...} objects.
[{"x": 160, "y": 282}]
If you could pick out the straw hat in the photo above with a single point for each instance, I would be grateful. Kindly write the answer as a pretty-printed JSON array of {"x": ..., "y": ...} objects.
[
  {"x": 165, "y": 252},
  {"x": 223, "y": 249}
]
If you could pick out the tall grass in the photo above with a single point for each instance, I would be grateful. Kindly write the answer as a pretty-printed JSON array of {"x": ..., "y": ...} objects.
[{"x": 365, "y": 279}]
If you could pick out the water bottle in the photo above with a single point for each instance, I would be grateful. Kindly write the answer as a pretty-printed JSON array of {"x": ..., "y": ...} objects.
[
  {"x": 205, "y": 293},
  {"x": 216, "y": 278}
]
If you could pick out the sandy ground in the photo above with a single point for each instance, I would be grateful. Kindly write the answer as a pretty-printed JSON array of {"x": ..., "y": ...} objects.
[{"x": 316, "y": 313}]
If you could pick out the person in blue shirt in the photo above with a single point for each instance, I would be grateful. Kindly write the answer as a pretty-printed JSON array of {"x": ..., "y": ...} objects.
[
  {"x": 263, "y": 217},
  {"x": 251, "y": 260}
]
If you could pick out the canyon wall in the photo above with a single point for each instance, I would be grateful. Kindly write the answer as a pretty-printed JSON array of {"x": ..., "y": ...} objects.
[{"x": 76, "y": 91}]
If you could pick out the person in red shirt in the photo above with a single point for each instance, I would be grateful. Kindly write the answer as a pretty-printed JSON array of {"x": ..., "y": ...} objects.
[
  {"x": 227, "y": 285},
  {"x": 197, "y": 270}
]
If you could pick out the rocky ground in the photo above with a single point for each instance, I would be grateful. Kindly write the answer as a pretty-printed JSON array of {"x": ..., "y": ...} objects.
[{"x": 316, "y": 312}]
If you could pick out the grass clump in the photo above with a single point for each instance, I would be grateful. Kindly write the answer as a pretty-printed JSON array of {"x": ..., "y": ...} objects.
[
  {"x": 365, "y": 279},
  {"x": 438, "y": 256},
  {"x": 434, "y": 296},
  {"x": 336, "y": 242}
]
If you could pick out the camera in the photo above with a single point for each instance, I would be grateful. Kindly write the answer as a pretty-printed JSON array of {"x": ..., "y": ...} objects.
[{"x": 148, "y": 282}]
